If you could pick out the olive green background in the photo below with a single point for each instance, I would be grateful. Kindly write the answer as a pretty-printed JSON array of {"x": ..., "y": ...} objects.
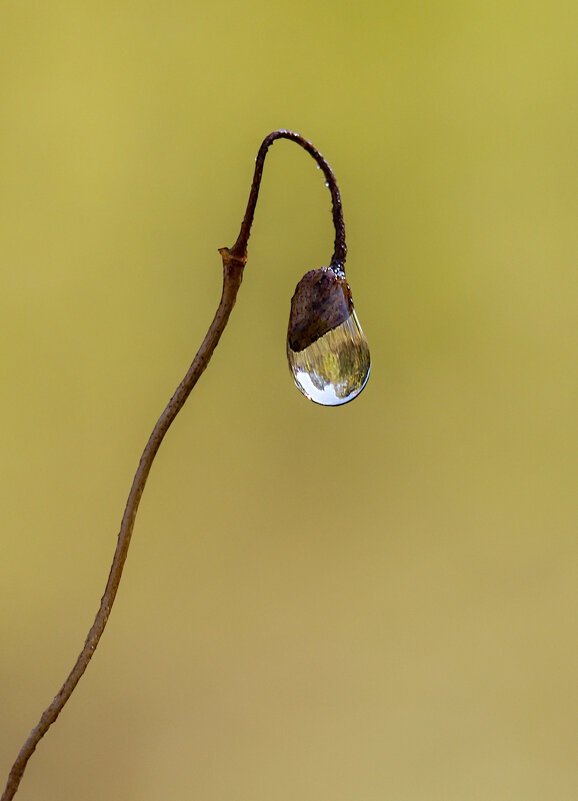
[{"x": 378, "y": 601}]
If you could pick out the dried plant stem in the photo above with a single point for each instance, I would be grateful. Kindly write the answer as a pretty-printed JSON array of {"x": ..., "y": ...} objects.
[
  {"x": 232, "y": 276},
  {"x": 239, "y": 249},
  {"x": 234, "y": 260}
]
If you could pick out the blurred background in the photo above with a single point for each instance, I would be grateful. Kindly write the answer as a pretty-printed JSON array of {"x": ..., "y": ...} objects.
[{"x": 378, "y": 601}]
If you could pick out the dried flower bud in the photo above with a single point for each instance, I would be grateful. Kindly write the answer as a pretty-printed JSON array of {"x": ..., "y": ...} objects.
[{"x": 321, "y": 302}]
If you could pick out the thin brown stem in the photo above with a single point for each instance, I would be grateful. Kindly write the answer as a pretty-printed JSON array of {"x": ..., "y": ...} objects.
[
  {"x": 239, "y": 249},
  {"x": 233, "y": 263},
  {"x": 232, "y": 276}
]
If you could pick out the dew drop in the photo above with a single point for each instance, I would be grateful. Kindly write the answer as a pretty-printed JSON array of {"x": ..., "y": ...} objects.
[
  {"x": 335, "y": 368},
  {"x": 327, "y": 351}
]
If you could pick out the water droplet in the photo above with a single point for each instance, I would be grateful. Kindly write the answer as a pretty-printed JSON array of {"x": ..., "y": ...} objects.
[
  {"x": 327, "y": 351},
  {"x": 335, "y": 368}
]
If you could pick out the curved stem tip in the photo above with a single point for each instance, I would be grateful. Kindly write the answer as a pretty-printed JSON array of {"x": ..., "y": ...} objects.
[{"x": 239, "y": 249}]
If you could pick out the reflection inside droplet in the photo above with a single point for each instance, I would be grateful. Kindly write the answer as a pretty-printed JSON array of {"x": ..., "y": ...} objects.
[{"x": 334, "y": 369}]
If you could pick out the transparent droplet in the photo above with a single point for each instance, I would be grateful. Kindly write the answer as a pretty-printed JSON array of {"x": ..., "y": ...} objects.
[
  {"x": 327, "y": 351},
  {"x": 335, "y": 368}
]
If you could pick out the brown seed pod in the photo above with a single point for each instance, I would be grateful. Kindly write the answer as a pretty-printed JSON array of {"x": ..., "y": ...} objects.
[{"x": 321, "y": 302}]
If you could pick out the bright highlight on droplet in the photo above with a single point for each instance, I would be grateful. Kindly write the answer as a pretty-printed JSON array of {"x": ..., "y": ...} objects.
[{"x": 334, "y": 369}]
